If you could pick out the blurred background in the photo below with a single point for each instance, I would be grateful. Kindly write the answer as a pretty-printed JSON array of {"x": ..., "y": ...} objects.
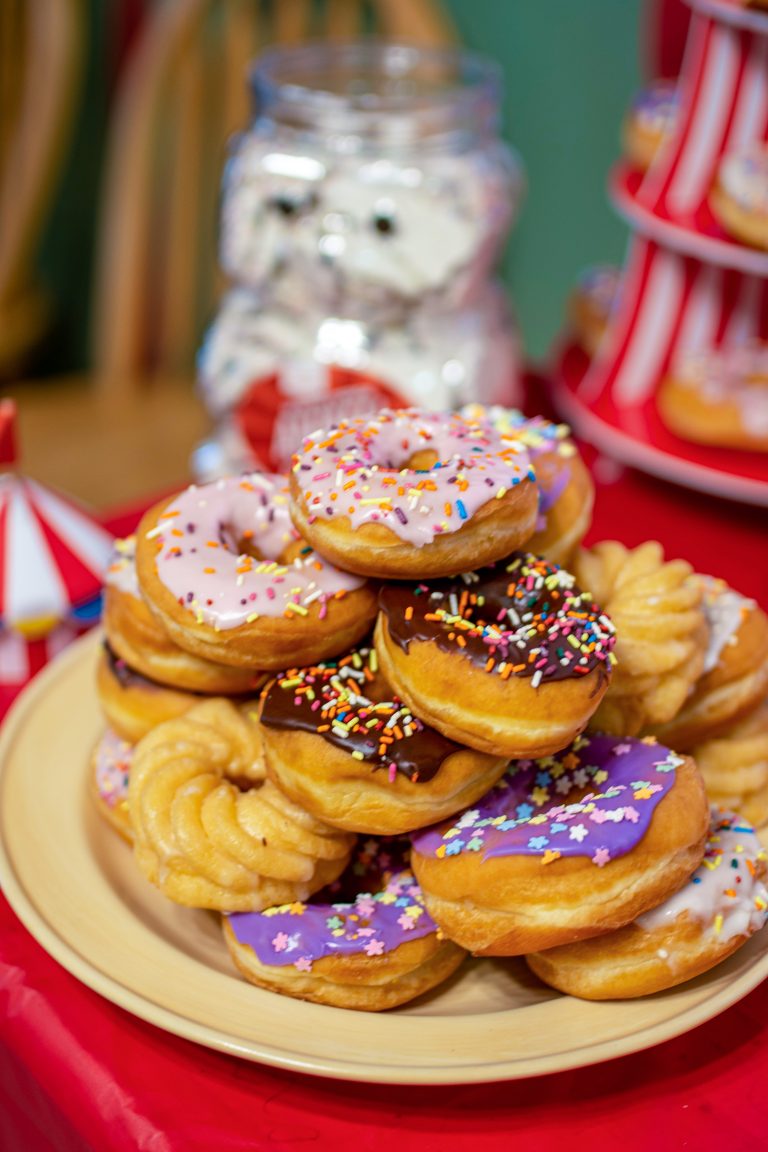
[{"x": 569, "y": 70}]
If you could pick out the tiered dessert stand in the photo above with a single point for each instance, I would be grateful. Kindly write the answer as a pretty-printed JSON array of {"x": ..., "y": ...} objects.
[{"x": 686, "y": 285}]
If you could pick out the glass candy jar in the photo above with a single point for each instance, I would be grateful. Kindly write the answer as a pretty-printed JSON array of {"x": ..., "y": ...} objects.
[{"x": 362, "y": 216}]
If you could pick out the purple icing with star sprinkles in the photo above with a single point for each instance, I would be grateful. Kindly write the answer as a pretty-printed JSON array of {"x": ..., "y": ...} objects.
[
  {"x": 596, "y": 799},
  {"x": 370, "y": 924}
]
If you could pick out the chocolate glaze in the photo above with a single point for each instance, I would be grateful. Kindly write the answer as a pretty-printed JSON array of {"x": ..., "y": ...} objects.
[
  {"x": 126, "y": 676},
  {"x": 345, "y": 691},
  {"x": 523, "y": 611}
]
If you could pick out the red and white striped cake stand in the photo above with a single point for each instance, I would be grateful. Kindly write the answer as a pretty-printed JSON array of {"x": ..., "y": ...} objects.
[{"x": 686, "y": 284}]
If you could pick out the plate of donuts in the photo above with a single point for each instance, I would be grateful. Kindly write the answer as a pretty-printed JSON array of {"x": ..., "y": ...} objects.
[{"x": 79, "y": 893}]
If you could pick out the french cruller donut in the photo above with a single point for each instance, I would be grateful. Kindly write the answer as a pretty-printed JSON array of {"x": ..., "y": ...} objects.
[
  {"x": 565, "y": 847},
  {"x": 221, "y": 567},
  {"x": 511, "y": 660},
  {"x": 372, "y": 948},
  {"x": 410, "y": 493},
  {"x": 209, "y": 831},
  {"x": 709, "y": 918},
  {"x": 338, "y": 742},
  {"x": 661, "y": 632}
]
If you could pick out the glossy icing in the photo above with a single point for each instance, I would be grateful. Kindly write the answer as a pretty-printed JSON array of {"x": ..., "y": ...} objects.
[
  {"x": 202, "y": 560},
  {"x": 736, "y": 377},
  {"x": 340, "y": 701},
  {"x": 726, "y": 893},
  {"x": 656, "y": 107},
  {"x": 112, "y": 767},
  {"x": 121, "y": 570},
  {"x": 724, "y": 609},
  {"x": 539, "y": 437},
  {"x": 521, "y": 617},
  {"x": 374, "y": 921},
  {"x": 358, "y": 469},
  {"x": 595, "y": 799}
]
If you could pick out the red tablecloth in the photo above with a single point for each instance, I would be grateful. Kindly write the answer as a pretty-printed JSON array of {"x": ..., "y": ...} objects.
[{"x": 78, "y": 1073}]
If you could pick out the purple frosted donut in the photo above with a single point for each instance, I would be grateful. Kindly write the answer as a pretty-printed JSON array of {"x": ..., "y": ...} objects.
[
  {"x": 365, "y": 942},
  {"x": 565, "y": 847}
]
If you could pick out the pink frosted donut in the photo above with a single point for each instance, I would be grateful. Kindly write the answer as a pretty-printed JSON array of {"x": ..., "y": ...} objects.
[
  {"x": 366, "y": 942},
  {"x": 223, "y": 569},
  {"x": 409, "y": 492},
  {"x": 110, "y": 766}
]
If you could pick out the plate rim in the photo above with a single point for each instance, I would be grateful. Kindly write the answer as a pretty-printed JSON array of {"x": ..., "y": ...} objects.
[{"x": 502, "y": 1067}]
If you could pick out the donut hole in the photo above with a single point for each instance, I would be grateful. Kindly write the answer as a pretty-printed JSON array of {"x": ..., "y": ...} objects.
[
  {"x": 423, "y": 460},
  {"x": 242, "y": 542}
]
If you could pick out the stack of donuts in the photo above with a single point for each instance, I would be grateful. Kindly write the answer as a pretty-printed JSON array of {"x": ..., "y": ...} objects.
[{"x": 388, "y": 711}]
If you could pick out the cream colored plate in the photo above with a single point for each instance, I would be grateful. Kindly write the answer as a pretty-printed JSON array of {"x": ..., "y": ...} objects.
[{"x": 73, "y": 883}]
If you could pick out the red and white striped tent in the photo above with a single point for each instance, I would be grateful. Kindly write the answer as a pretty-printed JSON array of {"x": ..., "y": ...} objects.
[{"x": 53, "y": 556}]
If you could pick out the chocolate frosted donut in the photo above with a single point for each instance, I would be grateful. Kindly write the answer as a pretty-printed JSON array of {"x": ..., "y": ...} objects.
[
  {"x": 338, "y": 742},
  {"x": 511, "y": 660}
]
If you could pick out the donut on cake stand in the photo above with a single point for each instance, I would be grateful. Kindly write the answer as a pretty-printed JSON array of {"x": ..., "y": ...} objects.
[{"x": 688, "y": 288}]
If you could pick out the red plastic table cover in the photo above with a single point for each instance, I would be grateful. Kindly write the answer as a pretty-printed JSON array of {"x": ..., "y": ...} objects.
[{"x": 78, "y": 1073}]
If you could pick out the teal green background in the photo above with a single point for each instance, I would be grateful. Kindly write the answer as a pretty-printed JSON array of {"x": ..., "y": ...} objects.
[{"x": 569, "y": 70}]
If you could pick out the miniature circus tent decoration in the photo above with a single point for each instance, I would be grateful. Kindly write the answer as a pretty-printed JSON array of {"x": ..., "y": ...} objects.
[{"x": 53, "y": 556}]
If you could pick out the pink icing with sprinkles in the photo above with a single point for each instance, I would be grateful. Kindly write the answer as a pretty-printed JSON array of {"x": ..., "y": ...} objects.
[
  {"x": 594, "y": 799},
  {"x": 121, "y": 569},
  {"x": 538, "y": 436},
  {"x": 201, "y": 560},
  {"x": 358, "y": 469},
  {"x": 112, "y": 767}
]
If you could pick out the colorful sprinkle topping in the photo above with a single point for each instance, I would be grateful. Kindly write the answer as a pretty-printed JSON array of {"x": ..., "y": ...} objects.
[
  {"x": 726, "y": 893},
  {"x": 339, "y": 700},
  {"x": 594, "y": 799},
  {"x": 222, "y": 549},
  {"x": 113, "y": 764},
  {"x": 364, "y": 469},
  {"x": 540, "y": 437},
  {"x": 736, "y": 377},
  {"x": 522, "y": 617},
  {"x": 371, "y": 923},
  {"x": 656, "y": 107},
  {"x": 121, "y": 569}
]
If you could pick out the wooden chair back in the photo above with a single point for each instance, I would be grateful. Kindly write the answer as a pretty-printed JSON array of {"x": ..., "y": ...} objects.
[
  {"x": 42, "y": 51},
  {"x": 182, "y": 96}
]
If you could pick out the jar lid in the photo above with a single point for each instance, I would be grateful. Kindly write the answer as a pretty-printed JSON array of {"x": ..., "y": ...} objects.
[{"x": 375, "y": 93}]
